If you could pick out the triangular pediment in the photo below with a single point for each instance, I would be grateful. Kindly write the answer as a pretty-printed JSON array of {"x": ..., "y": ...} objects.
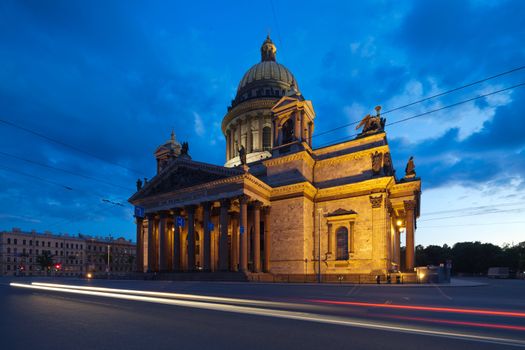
[{"x": 183, "y": 174}]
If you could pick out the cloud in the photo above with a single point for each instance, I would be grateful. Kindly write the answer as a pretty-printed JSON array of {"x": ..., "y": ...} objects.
[{"x": 199, "y": 125}]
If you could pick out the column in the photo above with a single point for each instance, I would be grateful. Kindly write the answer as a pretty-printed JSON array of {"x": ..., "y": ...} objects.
[
  {"x": 140, "y": 244},
  {"x": 330, "y": 240},
  {"x": 191, "y": 237},
  {"x": 238, "y": 129},
  {"x": 228, "y": 140},
  {"x": 235, "y": 242},
  {"x": 151, "y": 243},
  {"x": 297, "y": 125},
  {"x": 243, "y": 223},
  {"x": 257, "y": 237},
  {"x": 163, "y": 240},
  {"x": 397, "y": 250},
  {"x": 223, "y": 239},
  {"x": 176, "y": 243},
  {"x": 249, "y": 141},
  {"x": 267, "y": 240},
  {"x": 206, "y": 261},
  {"x": 261, "y": 126},
  {"x": 410, "y": 228}
]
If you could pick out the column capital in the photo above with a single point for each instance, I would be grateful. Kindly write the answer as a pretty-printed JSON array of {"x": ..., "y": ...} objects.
[
  {"x": 206, "y": 205},
  {"x": 257, "y": 204},
  {"x": 376, "y": 201},
  {"x": 190, "y": 208},
  {"x": 164, "y": 214},
  {"x": 243, "y": 199},
  {"x": 266, "y": 209},
  {"x": 225, "y": 202},
  {"x": 409, "y": 205}
]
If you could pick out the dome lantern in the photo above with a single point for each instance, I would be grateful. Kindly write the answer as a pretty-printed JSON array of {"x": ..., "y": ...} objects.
[{"x": 268, "y": 50}]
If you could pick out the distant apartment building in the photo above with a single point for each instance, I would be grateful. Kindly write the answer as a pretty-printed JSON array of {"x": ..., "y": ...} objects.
[{"x": 46, "y": 254}]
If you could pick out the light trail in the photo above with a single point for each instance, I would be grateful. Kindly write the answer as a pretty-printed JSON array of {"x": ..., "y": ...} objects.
[
  {"x": 423, "y": 308},
  {"x": 169, "y": 295},
  {"x": 292, "y": 315},
  {"x": 459, "y": 323}
]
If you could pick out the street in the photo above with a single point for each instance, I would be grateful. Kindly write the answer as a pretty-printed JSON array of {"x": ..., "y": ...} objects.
[{"x": 206, "y": 315}]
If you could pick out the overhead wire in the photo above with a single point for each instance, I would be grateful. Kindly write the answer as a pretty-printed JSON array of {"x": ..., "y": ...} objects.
[
  {"x": 427, "y": 98},
  {"x": 67, "y": 145},
  {"x": 63, "y": 170},
  {"x": 430, "y": 112}
]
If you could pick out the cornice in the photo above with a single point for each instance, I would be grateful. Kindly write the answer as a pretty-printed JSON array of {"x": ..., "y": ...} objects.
[
  {"x": 367, "y": 186},
  {"x": 247, "y": 106},
  {"x": 302, "y": 188},
  {"x": 352, "y": 156},
  {"x": 349, "y": 144},
  {"x": 303, "y": 155}
]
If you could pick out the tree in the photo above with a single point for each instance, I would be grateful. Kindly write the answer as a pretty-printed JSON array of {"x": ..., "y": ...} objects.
[{"x": 45, "y": 260}]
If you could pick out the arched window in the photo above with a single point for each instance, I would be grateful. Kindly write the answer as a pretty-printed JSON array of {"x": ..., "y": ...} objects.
[
  {"x": 342, "y": 243},
  {"x": 267, "y": 138}
]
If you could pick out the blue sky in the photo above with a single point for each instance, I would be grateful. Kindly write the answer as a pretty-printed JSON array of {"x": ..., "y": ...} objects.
[{"x": 114, "y": 77}]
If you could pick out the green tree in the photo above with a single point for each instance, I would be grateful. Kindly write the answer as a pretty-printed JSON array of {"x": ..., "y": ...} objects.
[{"x": 45, "y": 260}]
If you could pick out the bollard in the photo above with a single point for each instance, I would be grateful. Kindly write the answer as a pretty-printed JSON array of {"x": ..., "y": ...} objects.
[
  {"x": 378, "y": 279},
  {"x": 388, "y": 279},
  {"x": 398, "y": 279}
]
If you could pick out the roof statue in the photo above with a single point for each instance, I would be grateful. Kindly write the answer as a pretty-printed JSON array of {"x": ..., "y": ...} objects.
[
  {"x": 410, "y": 170},
  {"x": 242, "y": 154},
  {"x": 139, "y": 184},
  {"x": 372, "y": 124}
]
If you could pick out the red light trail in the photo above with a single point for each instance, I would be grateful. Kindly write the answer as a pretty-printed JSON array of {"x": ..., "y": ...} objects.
[{"x": 423, "y": 308}]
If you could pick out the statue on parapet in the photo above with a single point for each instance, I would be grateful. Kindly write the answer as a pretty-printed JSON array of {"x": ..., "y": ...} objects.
[
  {"x": 242, "y": 154},
  {"x": 371, "y": 124},
  {"x": 410, "y": 169},
  {"x": 139, "y": 184}
]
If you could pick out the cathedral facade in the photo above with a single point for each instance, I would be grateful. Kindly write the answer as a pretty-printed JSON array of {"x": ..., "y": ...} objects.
[{"x": 278, "y": 206}]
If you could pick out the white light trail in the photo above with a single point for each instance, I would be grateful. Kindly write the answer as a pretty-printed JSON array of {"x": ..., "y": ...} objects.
[{"x": 292, "y": 315}]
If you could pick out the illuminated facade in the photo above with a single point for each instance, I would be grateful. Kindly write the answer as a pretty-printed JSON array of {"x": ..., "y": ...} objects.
[
  {"x": 70, "y": 255},
  {"x": 278, "y": 206}
]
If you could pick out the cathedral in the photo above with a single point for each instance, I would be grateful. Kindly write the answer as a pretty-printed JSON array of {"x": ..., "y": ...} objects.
[{"x": 278, "y": 207}]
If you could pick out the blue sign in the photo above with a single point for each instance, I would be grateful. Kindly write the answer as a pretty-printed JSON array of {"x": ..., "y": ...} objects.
[
  {"x": 180, "y": 221},
  {"x": 211, "y": 226},
  {"x": 139, "y": 212},
  {"x": 242, "y": 229}
]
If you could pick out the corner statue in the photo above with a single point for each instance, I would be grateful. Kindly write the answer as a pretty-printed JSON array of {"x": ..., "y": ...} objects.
[
  {"x": 371, "y": 124},
  {"x": 410, "y": 170}
]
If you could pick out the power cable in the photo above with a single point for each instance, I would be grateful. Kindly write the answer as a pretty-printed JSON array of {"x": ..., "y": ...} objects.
[
  {"x": 427, "y": 98},
  {"x": 430, "y": 112},
  {"x": 63, "y": 170},
  {"x": 64, "y": 144}
]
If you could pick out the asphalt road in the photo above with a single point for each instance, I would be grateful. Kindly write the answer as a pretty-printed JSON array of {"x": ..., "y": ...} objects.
[{"x": 260, "y": 316}]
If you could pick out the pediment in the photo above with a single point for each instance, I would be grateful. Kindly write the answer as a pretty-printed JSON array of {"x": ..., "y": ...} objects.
[
  {"x": 181, "y": 175},
  {"x": 340, "y": 212}
]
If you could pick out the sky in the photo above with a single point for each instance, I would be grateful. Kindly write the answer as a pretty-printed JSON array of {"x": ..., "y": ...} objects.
[{"x": 113, "y": 78}]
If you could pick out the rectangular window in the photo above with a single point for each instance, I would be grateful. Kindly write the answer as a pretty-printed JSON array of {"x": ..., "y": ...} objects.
[
  {"x": 36, "y": 243},
  {"x": 56, "y": 244},
  {"x": 30, "y": 251},
  {"x": 9, "y": 241},
  {"x": 16, "y": 241},
  {"x": 76, "y": 246},
  {"x": 8, "y": 267},
  {"x": 36, "y": 251},
  {"x": 24, "y": 242},
  {"x": 8, "y": 250},
  {"x": 61, "y": 245},
  {"x": 30, "y": 242},
  {"x": 49, "y": 244}
]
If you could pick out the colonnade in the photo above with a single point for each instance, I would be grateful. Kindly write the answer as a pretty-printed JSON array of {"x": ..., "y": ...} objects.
[
  {"x": 247, "y": 131},
  {"x": 212, "y": 236}
]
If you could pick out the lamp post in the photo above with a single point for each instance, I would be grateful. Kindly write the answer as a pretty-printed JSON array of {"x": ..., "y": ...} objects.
[
  {"x": 107, "y": 268},
  {"x": 319, "y": 248}
]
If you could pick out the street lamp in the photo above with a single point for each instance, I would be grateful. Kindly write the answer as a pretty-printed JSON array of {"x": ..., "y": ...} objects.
[{"x": 320, "y": 211}]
